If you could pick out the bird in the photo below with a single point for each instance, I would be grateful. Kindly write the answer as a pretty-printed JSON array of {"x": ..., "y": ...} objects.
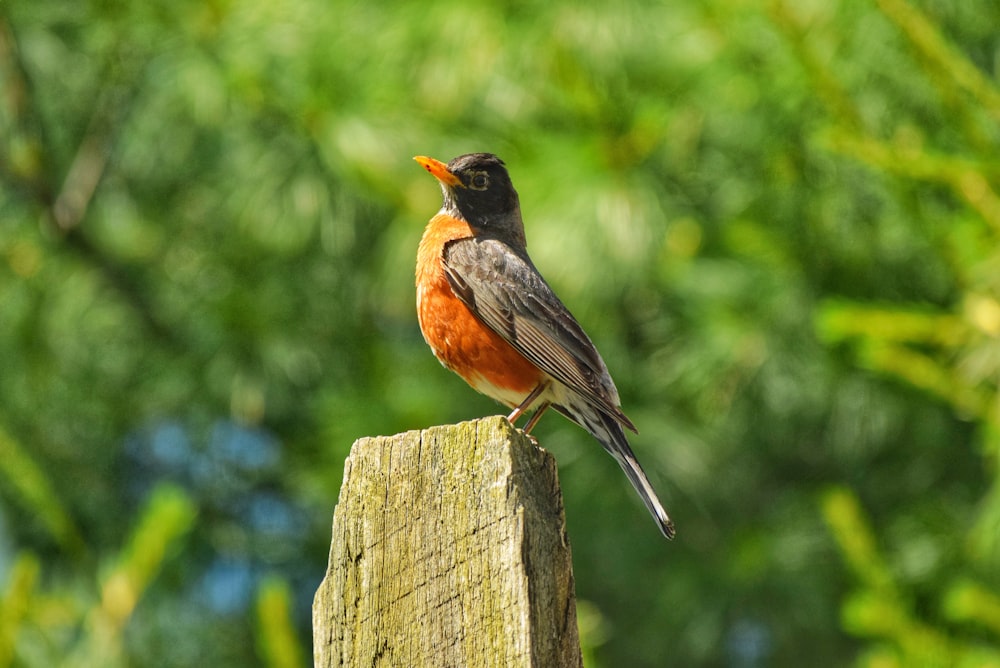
[{"x": 489, "y": 316}]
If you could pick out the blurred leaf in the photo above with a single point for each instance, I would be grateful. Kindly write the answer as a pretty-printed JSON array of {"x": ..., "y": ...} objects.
[
  {"x": 857, "y": 542},
  {"x": 936, "y": 48},
  {"x": 968, "y": 601},
  {"x": 277, "y": 642},
  {"x": 163, "y": 524},
  {"x": 35, "y": 491},
  {"x": 16, "y": 603}
]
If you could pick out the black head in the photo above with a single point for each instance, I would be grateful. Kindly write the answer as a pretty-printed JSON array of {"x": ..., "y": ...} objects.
[{"x": 477, "y": 187}]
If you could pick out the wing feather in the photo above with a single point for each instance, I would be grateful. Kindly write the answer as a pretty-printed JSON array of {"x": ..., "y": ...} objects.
[{"x": 505, "y": 291}]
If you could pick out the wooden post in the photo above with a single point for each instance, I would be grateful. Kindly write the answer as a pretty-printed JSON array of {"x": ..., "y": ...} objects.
[{"x": 449, "y": 549}]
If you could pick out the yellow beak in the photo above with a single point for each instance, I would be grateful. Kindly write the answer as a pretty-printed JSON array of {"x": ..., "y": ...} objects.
[{"x": 438, "y": 170}]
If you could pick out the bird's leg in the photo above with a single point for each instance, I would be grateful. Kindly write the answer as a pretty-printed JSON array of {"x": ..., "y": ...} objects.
[
  {"x": 534, "y": 418},
  {"x": 526, "y": 404}
]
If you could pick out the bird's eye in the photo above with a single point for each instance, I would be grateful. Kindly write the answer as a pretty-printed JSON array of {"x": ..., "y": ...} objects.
[{"x": 480, "y": 181}]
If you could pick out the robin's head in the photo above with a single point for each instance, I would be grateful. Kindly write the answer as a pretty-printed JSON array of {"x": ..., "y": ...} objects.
[{"x": 476, "y": 187}]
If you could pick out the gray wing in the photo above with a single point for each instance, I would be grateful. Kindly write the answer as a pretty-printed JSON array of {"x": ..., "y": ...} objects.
[{"x": 505, "y": 291}]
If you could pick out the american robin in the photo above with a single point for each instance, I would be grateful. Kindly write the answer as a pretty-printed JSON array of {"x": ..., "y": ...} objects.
[{"x": 490, "y": 317}]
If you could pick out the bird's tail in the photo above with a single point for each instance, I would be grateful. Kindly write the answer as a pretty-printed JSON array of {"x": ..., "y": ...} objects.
[{"x": 609, "y": 432}]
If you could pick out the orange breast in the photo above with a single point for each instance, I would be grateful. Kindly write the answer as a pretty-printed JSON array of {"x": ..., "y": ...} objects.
[{"x": 463, "y": 343}]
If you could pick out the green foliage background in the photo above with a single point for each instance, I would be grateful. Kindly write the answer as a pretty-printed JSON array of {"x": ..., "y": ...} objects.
[{"x": 779, "y": 222}]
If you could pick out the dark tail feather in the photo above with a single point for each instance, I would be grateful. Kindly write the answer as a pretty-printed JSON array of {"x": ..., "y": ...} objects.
[{"x": 611, "y": 435}]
